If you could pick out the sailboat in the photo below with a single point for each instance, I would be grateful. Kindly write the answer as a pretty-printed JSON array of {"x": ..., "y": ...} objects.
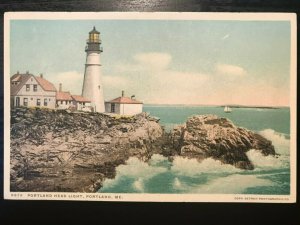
[{"x": 227, "y": 109}]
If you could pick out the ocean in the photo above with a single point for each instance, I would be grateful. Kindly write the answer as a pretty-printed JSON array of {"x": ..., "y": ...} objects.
[{"x": 271, "y": 175}]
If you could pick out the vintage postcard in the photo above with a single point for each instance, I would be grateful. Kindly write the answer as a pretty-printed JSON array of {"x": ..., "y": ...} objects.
[{"x": 178, "y": 107}]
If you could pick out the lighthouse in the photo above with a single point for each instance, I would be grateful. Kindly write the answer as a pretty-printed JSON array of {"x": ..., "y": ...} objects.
[{"x": 92, "y": 85}]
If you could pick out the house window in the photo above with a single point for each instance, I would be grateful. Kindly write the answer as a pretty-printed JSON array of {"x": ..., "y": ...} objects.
[
  {"x": 45, "y": 102},
  {"x": 83, "y": 103},
  {"x": 112, "y": 107},
  {"x": 17, "y": 101},
  {"x": 61, "y": 102},
  {"x": 34, "y": 87},
  {"x": 25, "y": 101},
  {"x": 38, "y": 102},
  {"x": 99, "y": 87},
  {"x": 27, "y": 87}
]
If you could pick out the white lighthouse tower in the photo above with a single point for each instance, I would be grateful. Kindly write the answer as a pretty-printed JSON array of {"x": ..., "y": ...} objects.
[{"x": 92, "y": 85}]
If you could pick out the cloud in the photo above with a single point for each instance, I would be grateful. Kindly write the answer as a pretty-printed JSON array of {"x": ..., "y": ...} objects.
[
  {"x": 230, "y": 70},
  {"x": 225, "y": 37},
  {"x": 155, "y": 60},
  {"x": 114, "y": 81},
  {"x": 150, "y": 61},
  {"x": 152, "y": 79},
  {"x": 71, "y": 81}
]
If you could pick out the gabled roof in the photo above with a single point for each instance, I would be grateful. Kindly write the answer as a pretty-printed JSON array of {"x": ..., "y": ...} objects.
[
  {"x": 125, "y": 100},
  {"x": 46, "y": 85},
  {"x": 79, "y": 98},
  {"x": 23, "y": 78},
  {"x": 63, "y": 95}
]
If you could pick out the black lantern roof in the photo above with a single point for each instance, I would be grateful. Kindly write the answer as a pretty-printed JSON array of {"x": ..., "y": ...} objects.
[{"x": 94, "y": 31}]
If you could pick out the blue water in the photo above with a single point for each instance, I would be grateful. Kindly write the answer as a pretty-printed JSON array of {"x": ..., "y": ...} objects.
[{"x": 270, "y": 176}]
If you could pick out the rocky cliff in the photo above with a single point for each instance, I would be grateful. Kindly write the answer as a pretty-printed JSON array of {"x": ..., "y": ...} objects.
[
  {"x": 210, "y": 136},
  {"x": 57, "y": 150},
  {"x": 64, "y": 151}
]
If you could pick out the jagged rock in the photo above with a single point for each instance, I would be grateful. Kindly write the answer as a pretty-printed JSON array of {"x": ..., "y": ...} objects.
[
  {"x": 210, "y": 136},
  {"x": 56, "y": 150},
  {"x": 83, "y": 144}
]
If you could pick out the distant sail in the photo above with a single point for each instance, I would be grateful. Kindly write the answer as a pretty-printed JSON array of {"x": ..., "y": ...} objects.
[{"x": 227, "y": 109}]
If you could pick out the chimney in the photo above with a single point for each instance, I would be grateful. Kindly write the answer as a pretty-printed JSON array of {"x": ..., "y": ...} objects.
[
  {"x": 27, "y": 72},
  {"x": 60, "y": 87},
  {"x": 18, "y": 72},
  {"x": 41, "y": 75},
  {"x": 123, "y": 93}
]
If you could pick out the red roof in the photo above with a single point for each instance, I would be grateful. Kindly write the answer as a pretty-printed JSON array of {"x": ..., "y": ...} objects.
[
  {"x": 23, "y": 78},
  {"x": 63, "y": 95},
  {"x": 125, "y": 100},
  {"x": 46, "y": 85},
  {"x": 79, "y": 98}
]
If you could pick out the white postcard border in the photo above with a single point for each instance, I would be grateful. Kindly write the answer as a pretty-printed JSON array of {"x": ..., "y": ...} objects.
[{"x": 151, "y": 197}]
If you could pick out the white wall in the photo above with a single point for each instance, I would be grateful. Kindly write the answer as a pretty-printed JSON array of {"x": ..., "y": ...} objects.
[
  {"x": 130, "y": 109},
  {"x": 32, "y": 96},
  {"x": 64, "y": 104},
  {"x": 92, "y": 84},
  {"x": 85, "y": 107},
  {"x": 124, "y": 109}
]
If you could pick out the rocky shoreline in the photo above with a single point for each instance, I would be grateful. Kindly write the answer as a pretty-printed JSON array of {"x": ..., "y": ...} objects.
[{"x": 58, "y": 150}]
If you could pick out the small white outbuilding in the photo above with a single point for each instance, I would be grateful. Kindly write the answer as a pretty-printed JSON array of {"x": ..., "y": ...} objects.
[{"x": 124, "y": 105}]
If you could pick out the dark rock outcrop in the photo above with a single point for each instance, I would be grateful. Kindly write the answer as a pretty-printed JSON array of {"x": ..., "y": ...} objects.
[
  {"x": 56, "y": 150},
  {"x": 210, "y": 136}
]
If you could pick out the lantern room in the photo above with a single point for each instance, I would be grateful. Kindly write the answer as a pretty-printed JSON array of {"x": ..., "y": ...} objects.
[
  {"x": 94, "y": 36},
  {"x": 93, "y": 43}
]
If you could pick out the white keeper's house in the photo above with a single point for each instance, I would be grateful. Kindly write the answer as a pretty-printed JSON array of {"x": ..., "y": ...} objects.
[
  {"x": 124, "y": 105},
  {"x": 32, "y": 91},
  {"x": 28, "y": 90}
]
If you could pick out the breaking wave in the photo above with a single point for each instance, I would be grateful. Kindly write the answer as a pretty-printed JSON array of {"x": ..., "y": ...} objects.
[
  {"x": 192, "y": 167},
  {"x": 236, "y": 184},
  {"x": 184, "y": 175},
  {"x": 279, "y": 140},
  {"x": 267, "y": 162},
  {"x": 134, "y": 169}
]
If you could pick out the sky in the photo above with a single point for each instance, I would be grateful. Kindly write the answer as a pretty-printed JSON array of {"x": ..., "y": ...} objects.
[{"x": 161, "y": 61}]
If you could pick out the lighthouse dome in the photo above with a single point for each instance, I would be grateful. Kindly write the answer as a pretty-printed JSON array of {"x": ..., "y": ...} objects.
[{"x": 94, "y": 31}]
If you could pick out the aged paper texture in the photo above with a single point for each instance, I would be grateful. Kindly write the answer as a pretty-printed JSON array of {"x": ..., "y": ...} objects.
[{"x": 178, "y": 107}]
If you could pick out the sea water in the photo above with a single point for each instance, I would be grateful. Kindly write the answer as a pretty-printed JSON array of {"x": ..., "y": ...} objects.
[{"x": 270, "y": 176}]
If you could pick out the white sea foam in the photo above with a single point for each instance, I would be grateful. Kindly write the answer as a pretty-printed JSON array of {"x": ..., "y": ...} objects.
[
  {"x": 177, "y": 184},
  {"x": 267, "y": 162},
  {"x": 156, "y": 159},
  {"x": 280, "y": 142},
  {"x": 233, "y": 184},
  {"x": 134, "y": 168},
  {"x": 139, "y": 185},
  {"x": 191, "y": 167}
]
